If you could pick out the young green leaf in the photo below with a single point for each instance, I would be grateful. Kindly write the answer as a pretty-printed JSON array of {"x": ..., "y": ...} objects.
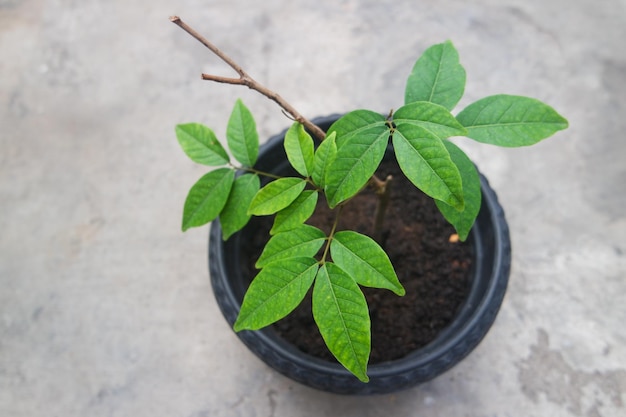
[
  {"x": 437, "y": 77},
  {"x": 201, "y": 145},
  {"x": 275, "y": 292},
  {"x": 341, "y": 314},
  {"x": 323, "y": 158},
  {"x": 207, "y": 197},
  {"x": 296, "y": 213},
  {"x": 361, "y": 258},
  {"x": 302, "y": 242},
  {"x": 432, "y": 117},
  {"x": 362, "y": 138},
  {"x": 235, "y": 215},
  {"x": 510, "y": 121},
  {"x": 463, "y": 220},
  {"x": 242, "y": 136},
  {"x": 355, "y": 123},
  {"x": 276, "y": 195},
  {"x": 425, "y": 161},
  {"x": 299, "y": 148}
]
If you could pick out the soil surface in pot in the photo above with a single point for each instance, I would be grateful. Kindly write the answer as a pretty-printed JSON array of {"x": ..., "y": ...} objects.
[{"x": 433, "y": 268}]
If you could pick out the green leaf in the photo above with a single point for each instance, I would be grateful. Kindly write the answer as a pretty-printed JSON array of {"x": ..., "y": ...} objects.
[
  {"x": 510, "y": 121},
  {"x": 296, "y": 213},
  {"x": 275, "y": 292},
  {"x": 323, "y": 158},
  {"x": 425, "y": 161},
  {"x": 362, "y": 138},
  {"x": 437, "y": 76},
  {"x": 234, "y": 215},
  {"x": 299, "y": 148},
  {"x": 201, "y": 145},
  {"x": 361, "y": 258},
  {"x": 355, "y": 123},
  {"x": 432, "y": 117},
  {"x": 303, "y": 241},
  {"x": 242, "y": 136},
  {"x": 463, "y": 220},
  {"x": 340, "y": 311},
  {"x": 276, "y": 195},
  {"x": 207, "y": 197}
]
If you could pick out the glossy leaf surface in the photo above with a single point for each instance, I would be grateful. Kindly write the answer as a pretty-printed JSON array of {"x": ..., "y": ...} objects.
[
  {"x": 364, "y": 260},
  {"x": 355, "y": 123},
  {"x": 299, "y": 148},
  {"x": 275, "y": 292},
  {"x": 323, "y": 158},
  {"x": 425, "y": 161},
  {"x": 340, "y": 311},
  {"x": 234, "y": 216},
  {"x": 207, "y": 197},
  {"x": 437, "y": 77},
  {"x": 296, "y": 213},
  {"x": 434, "y": 118},
  {"x": 201, "y": 145},
  {"x": 463, "y": 220},
  {"x": 302, "y": 242},
  {"x": 362, "y": 138},
  {"x": 510, "y": 121},
  {"x": 276, "y": 195},
  {"x": 242, "y": 136}
]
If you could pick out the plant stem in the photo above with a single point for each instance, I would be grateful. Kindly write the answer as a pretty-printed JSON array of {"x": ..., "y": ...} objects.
[
  {"x": 331, "y": 234},
  {"x": 256, "y": 171},
  {"x": 245, "y": 79},
  {"x": 383, "y": 191}
]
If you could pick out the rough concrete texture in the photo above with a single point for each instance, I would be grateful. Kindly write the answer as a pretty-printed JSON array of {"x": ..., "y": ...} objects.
[{"x": 106, "y": 307}]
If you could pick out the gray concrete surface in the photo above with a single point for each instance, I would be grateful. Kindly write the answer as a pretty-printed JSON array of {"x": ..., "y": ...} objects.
[{"x": 105, "y": 306}]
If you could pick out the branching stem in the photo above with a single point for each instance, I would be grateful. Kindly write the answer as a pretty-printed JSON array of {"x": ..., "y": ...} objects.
[
  {"x": 256, "y": 171},
  {"x": 245, "y": 79},
  {"x": 331, "y": 234}
]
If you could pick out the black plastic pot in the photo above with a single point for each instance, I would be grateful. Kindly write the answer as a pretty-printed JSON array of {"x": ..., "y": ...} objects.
[{"x": 488, "y": 281}]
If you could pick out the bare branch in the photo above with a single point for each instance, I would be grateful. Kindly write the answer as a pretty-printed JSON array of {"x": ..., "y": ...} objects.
[
  {"x": 223, "y": 80},
  {"x": 205, "y": 42},
  {"x": 245, "y": 79}
]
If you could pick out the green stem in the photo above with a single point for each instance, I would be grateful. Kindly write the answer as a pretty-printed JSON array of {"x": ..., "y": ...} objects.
[
  {"x": 256, "y": 171},
  {"x": 274, "y": 176},
  {"x": 331, "y": 234}
]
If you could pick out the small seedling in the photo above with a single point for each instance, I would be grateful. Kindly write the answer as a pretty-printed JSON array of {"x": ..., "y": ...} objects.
[{"x": 299, "y": 256}]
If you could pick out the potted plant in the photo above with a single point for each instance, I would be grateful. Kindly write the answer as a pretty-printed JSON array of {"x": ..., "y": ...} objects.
[{"x": 326, "y": 165}]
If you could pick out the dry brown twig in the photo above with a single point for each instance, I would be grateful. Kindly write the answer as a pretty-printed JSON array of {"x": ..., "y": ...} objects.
[{"x": 246, "y": 80}]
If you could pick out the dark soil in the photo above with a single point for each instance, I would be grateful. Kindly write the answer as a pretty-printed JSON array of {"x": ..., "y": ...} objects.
[{"x": 433, "y": 270}]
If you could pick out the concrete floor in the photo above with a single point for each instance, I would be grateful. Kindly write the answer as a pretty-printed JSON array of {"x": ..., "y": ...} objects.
[{"x": 106, "y": 307}]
